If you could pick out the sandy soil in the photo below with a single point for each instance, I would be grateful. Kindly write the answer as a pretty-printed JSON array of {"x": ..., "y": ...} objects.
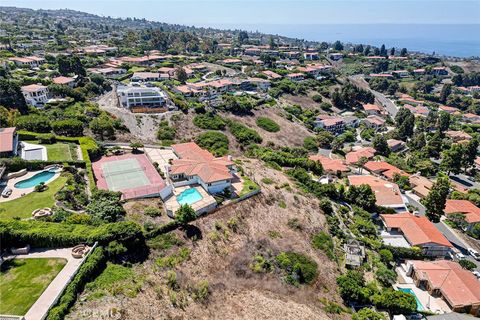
[{"x": 223, "y": 255}]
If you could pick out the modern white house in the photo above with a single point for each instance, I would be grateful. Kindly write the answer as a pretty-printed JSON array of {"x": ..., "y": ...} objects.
[
  {"x": 141, "y": 96},
  {"x": 35, "y": 94}
]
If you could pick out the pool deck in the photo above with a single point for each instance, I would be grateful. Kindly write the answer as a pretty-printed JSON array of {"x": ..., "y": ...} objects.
[
  {"x": 435, "y": 305},
  {"x": 18, "y": 193},
  {"x": 172, "y": 205}
]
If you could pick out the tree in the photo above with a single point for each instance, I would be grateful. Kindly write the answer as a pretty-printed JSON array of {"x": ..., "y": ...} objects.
[
  {"x": 310, "y": 144},
  {"x": 106, "y": 206},
  {"x": 135, "y": 146},
  {"x": 325, "y": 139},
  {"x": 383, "y": 51},
  {"x": 434, "y": 146},
  {"x": 418, "y": 141},
  {"x": 68, "y": 127},
  {"x": 436, "y": 199},
  {"x": 380, "y": 144},
  {"x": 11, "y": 96},
  {"x": 181, "y": 74},
  {"x": 445, "y": 92},
  {"x": 392, "y": 51},
  {"x": 395, "y": 301},
  {"x": 362, "y": 196},
  {"x": 352, "y": 287},
  {"x": 68, "y": 65},
  {"x": 337, "y": 45},
  {"x": 243, "y": 37},
  {"x": 214, "y": 141},
  {"x": 467, "y": 264},
  {"x": 403, "y": 52},
  {"x": 185, "y": 214},
  {"x": 470, "y": 153},
  {"x": 386, "y": 256},
  {"x": 444, "y": 121},
  {"x": 405, "y": 123},
  {"x": 452, "y": 159},
  {"x": 367, "y": 314},
  {"x": 102, "y": 126}
]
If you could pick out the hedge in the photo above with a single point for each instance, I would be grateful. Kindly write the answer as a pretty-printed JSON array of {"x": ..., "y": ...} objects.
[
  {"x": 53, "y": 235},
  {"x": 91, "y": 268},
  {"x": 88, "y": 146},
  {"x": 405, "y": 253},
  {"x": 165, "y": 228},
  {"x": 16, "y": 164}
]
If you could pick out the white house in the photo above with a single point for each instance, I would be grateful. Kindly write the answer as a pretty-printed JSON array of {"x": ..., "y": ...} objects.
[
  {"x": 35, "y": 94},
  {"x": 141, "y": 96}
]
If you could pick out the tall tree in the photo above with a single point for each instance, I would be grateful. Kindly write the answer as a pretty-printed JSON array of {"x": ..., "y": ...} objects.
[
  {"x": 243, "y": 37},
  {"x": 444, "y": 120},
  {"x": 403, "y": 52},
  {"x": 405, "y": 123},
  {"x": 181, "y": 74},
  {"x": 436, "y": 199},
  {"x": 452, "y": 159},
  {"x": 383, "y": 51},
  {"x": 337, "y": 45},
  {"x": 380, "y": 144},
  {"x": 445, "y": 92},
  {"x": 392, "y": 51},
  {"x": 11, "y": 96},
  {"x": 470, "y": 153}
]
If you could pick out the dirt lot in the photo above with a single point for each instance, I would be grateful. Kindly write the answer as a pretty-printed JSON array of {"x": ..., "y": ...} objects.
[{"x": 223, "y": 256}]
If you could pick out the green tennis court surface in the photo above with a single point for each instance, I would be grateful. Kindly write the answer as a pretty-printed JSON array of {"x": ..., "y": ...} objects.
[{"x": 124, "y": 174}]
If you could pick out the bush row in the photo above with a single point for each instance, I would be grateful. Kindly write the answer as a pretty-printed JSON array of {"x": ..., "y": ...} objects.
[
  {"x": 16, "y": 164},
  {"x": 50, "y": 234},
  {"x": 91, "y": 268}
]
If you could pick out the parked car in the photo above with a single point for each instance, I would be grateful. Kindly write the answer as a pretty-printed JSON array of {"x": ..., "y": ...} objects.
[
  {"x": 460, "y": 256},
  {"x": 477, "y": 274},
  {"x": 474, "y": 253}
]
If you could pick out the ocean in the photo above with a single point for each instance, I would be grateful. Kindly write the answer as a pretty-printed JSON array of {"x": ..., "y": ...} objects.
[{"x": 458, "y": 40}]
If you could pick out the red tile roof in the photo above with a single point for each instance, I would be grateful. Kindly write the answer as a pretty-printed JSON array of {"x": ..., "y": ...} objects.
[
  {"x": 6, "y": 139},
  {"x": 33, "y": 88},
  {"x": 371, "y": 107},
  {"x": 471, "y": 211},
  {"x": 354, "y": 156},
  {"x": 387, "y": 193},
  {"x": 457, "y": 285},
  {"x": 384, "y": 168},
  {"x": 197, "y": 161},
  {"x": 332, "y": 165},
  {"x": 62, "y": 80},
  {"x": 417, "y": 230}
]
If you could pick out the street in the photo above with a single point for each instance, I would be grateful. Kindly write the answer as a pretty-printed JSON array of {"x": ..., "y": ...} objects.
[{"x": 454, "y": 240}]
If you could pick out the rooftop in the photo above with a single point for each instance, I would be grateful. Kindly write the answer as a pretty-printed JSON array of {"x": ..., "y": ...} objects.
[
  {"x": 471, "y": 211},
  {"x": 6, "y": 139},
  {"x": 328, "y": 164},
  {"x": 354, "y": 156},
  {"x": 386, "y": 193}
]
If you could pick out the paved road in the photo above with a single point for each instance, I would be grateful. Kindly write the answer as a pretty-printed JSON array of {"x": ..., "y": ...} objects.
[
  {"x": 451, "y": 236},
  {"x": 388, "y": 104}
]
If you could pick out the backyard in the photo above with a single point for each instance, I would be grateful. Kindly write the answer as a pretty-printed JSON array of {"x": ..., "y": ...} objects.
[
  {"x": 23, "y": 207},
  {"x": 59, "y": 151},
  {"x": 24, "y": 280}
]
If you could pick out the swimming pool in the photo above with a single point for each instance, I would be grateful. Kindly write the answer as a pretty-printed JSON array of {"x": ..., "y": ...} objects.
[
  {"x": 419, "y": 304},
  {"x": 189, "y": 196},
  {"x": 31, "y": 182}
]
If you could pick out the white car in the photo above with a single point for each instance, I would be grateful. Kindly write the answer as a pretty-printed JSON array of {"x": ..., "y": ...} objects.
[
  {"x": 474, "y": 253},
  {"x": 476, "y": 274},
  {"x": 460, "y": 256}
]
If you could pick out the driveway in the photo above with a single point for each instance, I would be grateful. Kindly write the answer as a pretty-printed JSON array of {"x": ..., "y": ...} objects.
[{"x": 446, "y": 231}]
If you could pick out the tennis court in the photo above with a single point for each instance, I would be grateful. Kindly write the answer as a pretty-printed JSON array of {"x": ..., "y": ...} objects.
[
  {"x": 132, "y": 174},
  {"x": 124, "y": 174}
]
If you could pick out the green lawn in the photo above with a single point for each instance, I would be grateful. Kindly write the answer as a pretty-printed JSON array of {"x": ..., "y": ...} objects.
[
  {"x": 23, "y": 207},
  {"x": 24, "y": 280},
  {"x": 56, "y": 151}
]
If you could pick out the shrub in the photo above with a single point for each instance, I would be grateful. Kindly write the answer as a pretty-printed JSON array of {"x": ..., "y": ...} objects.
[
  {"x": 386, "y": 256},
  {"x": 68, "y": 127},
  {"x": 367, "y": 314},
  {"x": 165, "y": 132},
  {"x": 92, "y": 266},
  {"x": 267, "y": 124},
  {"x": 396, "y": 302},
  {"x": 310, "y": 143},
  {"x": 213, "y": 141},
  {"x": 352, "y": 287},
  {"x": 298, "y": 267},
  {"x": 244, "y": 135},
  {"x": 323, "y": 241},
  {"x": 106, "y": 206},
  {"x": 152, "y": 211},
  {"x": 209, "y": 121},
  {"x": 467, "y": 264},
  {"x": 201, "y": 291}
]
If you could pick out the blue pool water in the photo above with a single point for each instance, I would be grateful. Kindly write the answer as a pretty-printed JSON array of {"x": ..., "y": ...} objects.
[
  {"x": 419, "y": 304},
  {"x": 31, "y": 182},
  {"x": 189, "y": 196}
]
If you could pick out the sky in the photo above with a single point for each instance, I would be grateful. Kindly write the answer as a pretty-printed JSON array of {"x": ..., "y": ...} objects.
[{"x": 227, "y": 13}]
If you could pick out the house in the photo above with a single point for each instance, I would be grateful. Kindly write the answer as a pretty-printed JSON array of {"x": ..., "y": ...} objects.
[
  {"x": 440, "y": 71},
  {"x": 405, "y": 98},
  {"x": 372, "y": 109},
  {"x": 419, "y": 72},
  {"x": 8, "y": 142},
  {"x": 387, "y": 193},
  {"x": 258, "y": 83},
  {"x": 447, "y": 109},
  {"x": 232, "y": 61},
  {"x": 330, "y": 165},
  {"x": 458, "y": 136},
  {"x": 198, "y": 166},
  {"x": 395, "y": 145},
  {"x": 465, "y": 207},
  {"x": 458, "y": 287},
  {"x": 272, "y": 75},
  {"x": 310, "y": 56},
  {"x": 401, "y": 73},
  {"x": 141, "y": 96},
  {"x": 374, "y": 122},
  {"x": 31, "y": 61},
  {"x": 471, "y": 118},
  {"x": 354, "y": 156},
  {"x": 108, "y": 72},
  {"x": 252, "y": 51},
  {"x": 384, "y": 169},
  {"x": 381, "y": 75},
  {"x": 418, "y": 231},
  {"x": 331, "y": 124},
  {"x": 35, "y": 94},
  {"x": 335, "y": 56},
  {"x": 421, "y": 186},
  {"x": 66, "y": 81},
  {"x": 168, "y": 71},
  {"x": 418, "y": 111},
  {"x": 296, "y": 76},
  {"x": 147, "y": 76}
]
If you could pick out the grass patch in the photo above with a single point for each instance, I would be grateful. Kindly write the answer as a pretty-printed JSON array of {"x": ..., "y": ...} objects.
[
  {"x": 267, "y": 124},
  {"x": 24, "y": 280},
  {"x": 164, "y": 241},
  {"x": 248, "y": 186},
  {"x": 115, "y": 280},
  {"x": 324, "y": 242},
  {"x": 23, "y": 207},
  {"x": 56, "y": 151}
]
